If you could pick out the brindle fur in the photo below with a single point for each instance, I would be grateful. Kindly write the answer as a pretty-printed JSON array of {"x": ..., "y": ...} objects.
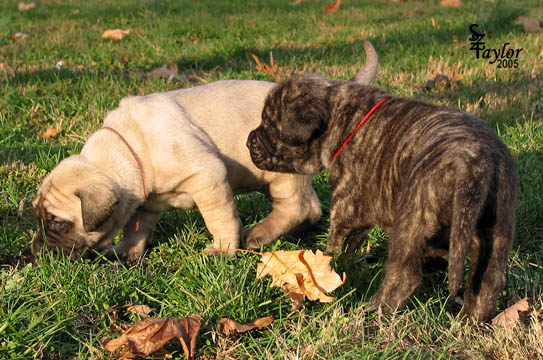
[{"x": 438, "y": 180}]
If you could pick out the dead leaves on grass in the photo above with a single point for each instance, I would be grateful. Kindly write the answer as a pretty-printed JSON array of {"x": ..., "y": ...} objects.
[
  {"x": 301, "y": 274},
  {"x": 49, "y": 133},
  {"x": 451, "y": 3},
  {"x": 150, "y": 335},
  {"x": 333, "y": 7},
  {"x": 166, "y": 71},
  {"x": 22, "y": 6},
  {"x": 228, "y": 326},
  {"x": 115, "y": 34},
  {"x": 530, "y": 23},
  {"x": 511, "y": 316},
  {"x": 262, "y": 66}
]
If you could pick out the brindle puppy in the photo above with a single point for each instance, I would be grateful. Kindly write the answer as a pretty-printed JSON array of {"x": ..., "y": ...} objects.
[{"x": 439, "y": 180}]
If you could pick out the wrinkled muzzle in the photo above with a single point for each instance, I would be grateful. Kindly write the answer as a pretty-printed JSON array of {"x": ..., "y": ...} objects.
[
  {"x": 260, "y": 146},
  {"x": 54, "y": 243}
]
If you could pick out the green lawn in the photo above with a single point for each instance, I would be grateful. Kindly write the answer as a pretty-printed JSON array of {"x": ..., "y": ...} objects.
[{"x": 53, "y": 308}]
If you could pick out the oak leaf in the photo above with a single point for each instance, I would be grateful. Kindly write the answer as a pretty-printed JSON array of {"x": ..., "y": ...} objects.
[
  {"x": 301, "y": 273},
  {"x": 148, "y": 336},
  {"x": 510, "y": 316},
  {"x": 115, "y": 34},
  {"x": 227, "y": 326}
]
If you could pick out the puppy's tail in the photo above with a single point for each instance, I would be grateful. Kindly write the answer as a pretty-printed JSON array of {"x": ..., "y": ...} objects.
[
  {"x": 468, "y": 202},
  {"x": 367, "y": 74}
]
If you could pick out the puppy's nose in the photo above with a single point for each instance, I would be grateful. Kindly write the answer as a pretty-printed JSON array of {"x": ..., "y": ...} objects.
[{"x": 252, "y": 141}]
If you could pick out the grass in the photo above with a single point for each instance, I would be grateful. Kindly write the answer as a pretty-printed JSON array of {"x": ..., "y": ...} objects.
[{"x": 54, "y": 308}]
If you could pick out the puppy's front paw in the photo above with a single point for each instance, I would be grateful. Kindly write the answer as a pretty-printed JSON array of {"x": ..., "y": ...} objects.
[
  {"x": 333, "y": 249},
  {"x": 128, "y": 256},
  {"x": 257, "y": 236}
]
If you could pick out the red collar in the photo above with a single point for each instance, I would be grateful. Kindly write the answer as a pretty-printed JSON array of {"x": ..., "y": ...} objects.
[{"x": 366, "y": 117}]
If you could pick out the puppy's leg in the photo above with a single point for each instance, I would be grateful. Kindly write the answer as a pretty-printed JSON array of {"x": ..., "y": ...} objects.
[
  {"x": 294, "y": 202},
  {"x": 356, "y": 238},
  {"x": 489, "y": 254},
  {"x": 216, "y": 204},
  {"x": 406, "y": 249},
  {"x": 345, "y": 223},
  {"x": 135, "y": 235}
]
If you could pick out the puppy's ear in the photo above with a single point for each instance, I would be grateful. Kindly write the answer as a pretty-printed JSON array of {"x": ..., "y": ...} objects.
[
  {"x": 304, "y": 120},
  {"x": 97, "y": 205},
  {"x": 303, "y": 109}
]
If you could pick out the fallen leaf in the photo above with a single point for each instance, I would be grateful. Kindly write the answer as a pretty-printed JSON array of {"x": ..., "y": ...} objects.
[
  {"x": 301, "y": 273},
  {"x": 452, "y": 3},
  {"x": 268, "y": 69},
  {"x": 49, "y": 133},
  {"x": 433, "y": 22},
  {"x": 17, "y": 36},
  {"x": 296, "y": 2},
  {"x": 142, "y": 310},
  {"x": 530, "y": 23},
  {"x": 115, "y": 34},
  {"x": 332, "y": 8},
  {"x": 148, "y": 336},
  {"x": 227, "y": 326},
  {"x": 26, "y": 6},
  {"x": 166, "y": 71},
  {"x": 510, "y": 316}
]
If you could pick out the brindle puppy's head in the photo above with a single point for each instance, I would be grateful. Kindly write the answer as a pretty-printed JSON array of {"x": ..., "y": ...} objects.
[
  {"x": 294, "y": 118},
  {"x": 77, "y": 206}
]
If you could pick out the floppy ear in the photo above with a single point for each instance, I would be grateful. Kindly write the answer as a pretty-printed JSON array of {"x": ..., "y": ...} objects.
[
  {"x": 97, "y": 205},
  {"x": 302, "y": 108},
  {"x": 304, "y": 119}
]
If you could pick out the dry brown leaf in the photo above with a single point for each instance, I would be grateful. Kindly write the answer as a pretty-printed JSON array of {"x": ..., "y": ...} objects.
[
  {"x": 115, "y": 34},
  {"x": 227, "y": 326},
  {"x": 26, "y": 6},
  {"x": 452, "y": 3},
  {"x": 296, "y": 2},
  {"x": 166, "y": 71},
  {"x": 332, "y": 8},
  {"x": 301, "y": 273},
  {"x": 142, "y": 310},
  {"x": 530, "y": 23},
  {"x": 148, "y": 336},
  {"x": 510, "y": 316},
  {"x": 49, "y": 133},
  {"x": 17, "y": 36},
  {"x": 268, "y": 69}
]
